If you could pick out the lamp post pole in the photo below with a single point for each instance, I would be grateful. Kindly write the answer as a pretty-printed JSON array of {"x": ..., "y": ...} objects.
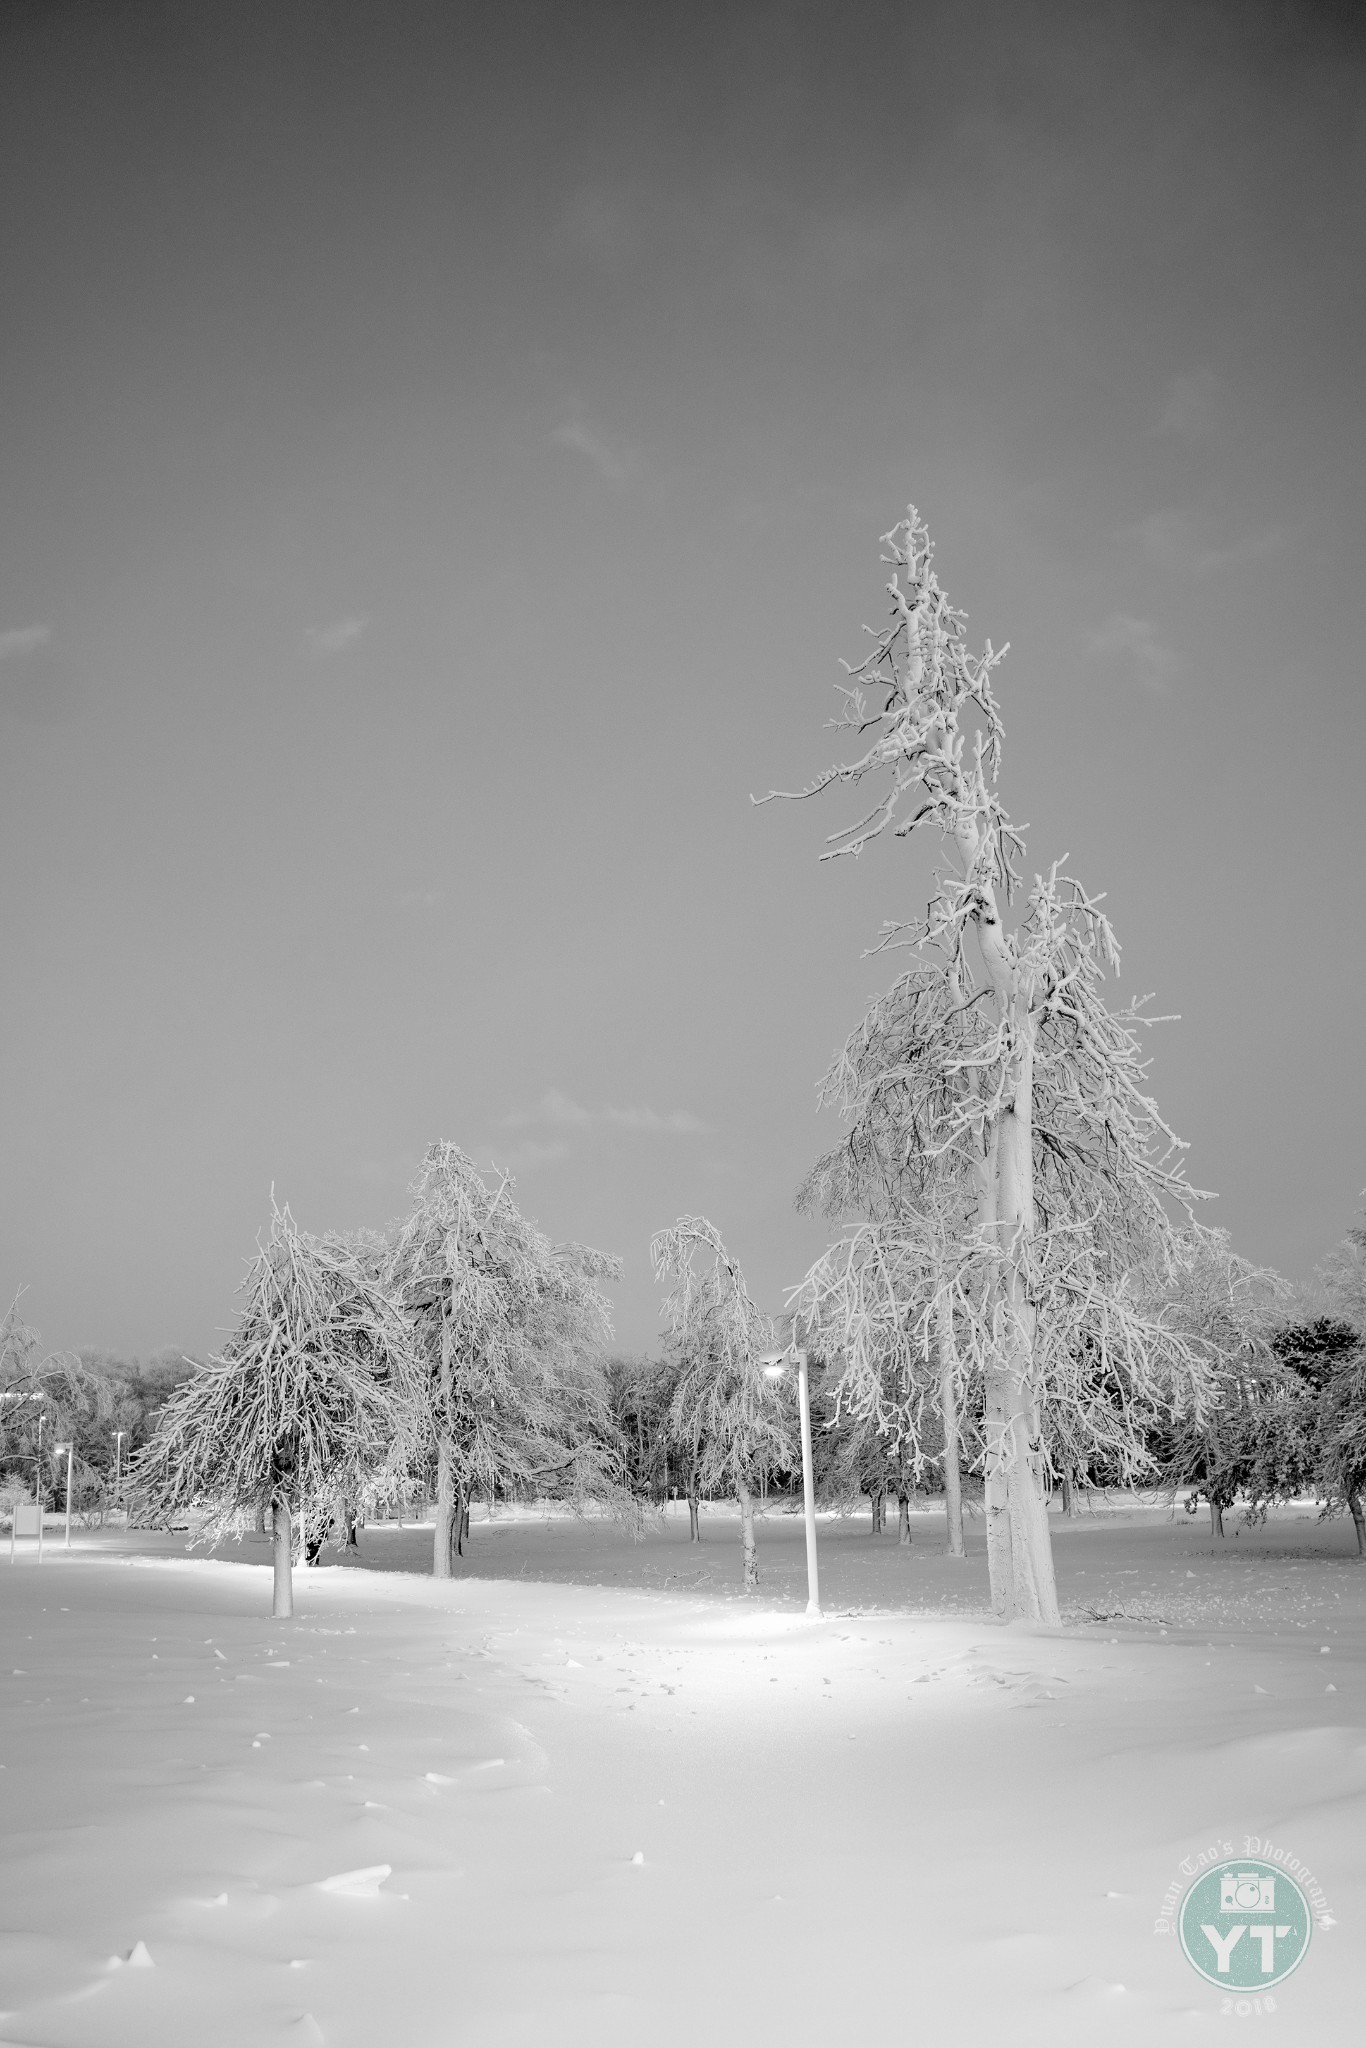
[
  {"x": 813, "y": 1577},
  {"x": 40, "y": 1484},
  {"x": 69, "y": 1449},
  {"x": 774, "y": 1363}
]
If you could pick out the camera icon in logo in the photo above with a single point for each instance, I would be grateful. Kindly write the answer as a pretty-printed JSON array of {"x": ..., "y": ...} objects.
[{"x": 1246, "y": 1891}]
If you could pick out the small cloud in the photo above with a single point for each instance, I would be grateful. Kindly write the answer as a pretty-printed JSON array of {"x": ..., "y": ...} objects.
[
  {"x": 554, "y": 1109},
  {"x": 674, "y": 1123},
  {"x": 1253, "y": 547},
  {"x": 36, "y": 685},
  {"x": 322, "y": 641},
  {"x": 1189, "y": 406},
  {"x": 530, "y": 1153},
  {"x": 1139, "y": 646},
  {"x": 1171, "y": 537},
  {"x": 616, "y": 462},
  {"x": 558, "y": 1111},
  {"x": 23, "y": 640}
]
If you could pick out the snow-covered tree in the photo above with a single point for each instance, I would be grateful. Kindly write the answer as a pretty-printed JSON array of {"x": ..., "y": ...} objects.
[
  {"x": 995, "y": 1066},
  {"x": 510, "y": 1330},
  {"x": 308, "y": 1406},
  {"x": 1227, "y": 1312},
  {"x": 737, "y": 1422},
  {"x": 880, "y": 1297}
]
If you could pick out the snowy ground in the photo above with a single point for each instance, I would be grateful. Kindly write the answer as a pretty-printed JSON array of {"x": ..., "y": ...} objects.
[{"x": 603, "y": 1798}]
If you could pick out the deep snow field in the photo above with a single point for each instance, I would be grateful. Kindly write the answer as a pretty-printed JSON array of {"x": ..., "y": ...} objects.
[{"x": 588, "y": 1793}]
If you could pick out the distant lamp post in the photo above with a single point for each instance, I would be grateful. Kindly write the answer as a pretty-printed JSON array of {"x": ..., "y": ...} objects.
[
  {"x": 775, "y": 1364},
  {"x": 57, "y": 1450}
]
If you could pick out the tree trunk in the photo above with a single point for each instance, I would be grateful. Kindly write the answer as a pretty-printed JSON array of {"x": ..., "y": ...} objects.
[
  {"x": 1358, "y": 1521},
  {"x": 1019, "y": 1550},
  {"x": 879, "y": 1519},
  {"x": 948, "y": 1409},
  {"x": 282, "y": 1606},
  {"x": 349, "y": 1520},
  {"x": 449, "y": 1514},
  {"x": 746, "y": 1500},
  {"x": 1069, "y": 1502},
  {"x": 1216, "y": 1519},
  {"x": 694, "y": 1518},
  {"x": 462, "y": 1541},
  {"x": 903, "y": 1520},
  {"x": 259, "y": 1525}
]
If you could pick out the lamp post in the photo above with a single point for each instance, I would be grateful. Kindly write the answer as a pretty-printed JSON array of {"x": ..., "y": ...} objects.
[
  {"x": 775, "y": 1363},
  {"x": 57, "y": 1452}
]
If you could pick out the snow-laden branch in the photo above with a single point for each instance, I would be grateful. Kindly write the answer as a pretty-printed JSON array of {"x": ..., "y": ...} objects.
[
  {"x": 310, "y": 1399},
  {"x": 508, "y": 1329}
]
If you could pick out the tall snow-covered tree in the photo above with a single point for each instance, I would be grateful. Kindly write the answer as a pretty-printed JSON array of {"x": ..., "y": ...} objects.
[
  {"x": 308, "y": 1406},
  {"x": 510, "y": 1329},
  {"x": 995, "y": 1066},
  {"x": 737, "y": 1421}
]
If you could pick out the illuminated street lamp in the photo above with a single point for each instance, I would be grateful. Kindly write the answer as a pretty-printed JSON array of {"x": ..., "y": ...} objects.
[
  {"x": 775, "y": 1364},
  {"x": 57, "y": 1450}
]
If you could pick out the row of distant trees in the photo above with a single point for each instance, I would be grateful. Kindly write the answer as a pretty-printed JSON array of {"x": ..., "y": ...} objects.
[{"x": 104, "y": 1405}]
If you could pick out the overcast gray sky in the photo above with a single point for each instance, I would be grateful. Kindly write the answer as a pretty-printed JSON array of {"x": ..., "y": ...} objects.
[{"x": 444, "y": 455}]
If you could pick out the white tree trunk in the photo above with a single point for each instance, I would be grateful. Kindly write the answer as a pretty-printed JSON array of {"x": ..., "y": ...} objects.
[
  {"x": 1019, "y": 1548},
  {"x": 282, "y": 1605},
  {"x": 746, "y": 1500}
]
